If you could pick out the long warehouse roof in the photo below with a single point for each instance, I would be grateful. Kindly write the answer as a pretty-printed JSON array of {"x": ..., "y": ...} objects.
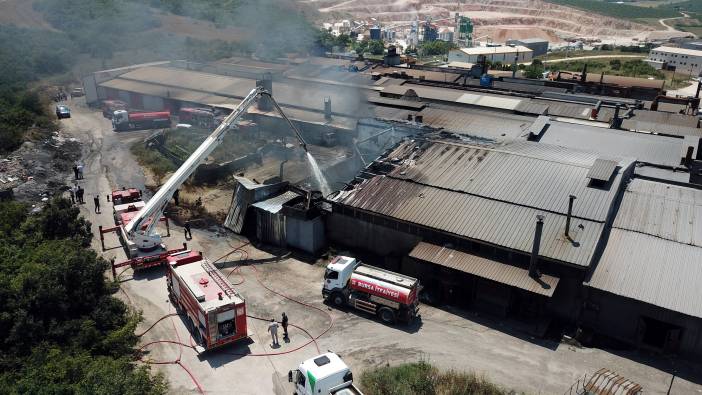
[{"x": 510, "y": 173}]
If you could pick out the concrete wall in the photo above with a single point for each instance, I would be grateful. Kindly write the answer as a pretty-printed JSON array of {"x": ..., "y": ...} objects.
[
  {"x": 619, "y": 318},
  {"x": 539, "y": 47}
]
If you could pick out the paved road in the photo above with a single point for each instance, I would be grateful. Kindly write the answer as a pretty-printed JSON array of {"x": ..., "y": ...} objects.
[
  {"x": 596, "y": 57},
  {"x": 451, "y": 339}
]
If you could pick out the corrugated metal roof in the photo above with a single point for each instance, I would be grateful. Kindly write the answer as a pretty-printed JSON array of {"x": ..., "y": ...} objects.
[
  {"x": 667, "y": 211},
  {"x": 475, "y": 123},
  {"x": 562, "y": 109},
  {"x": 474, "y": 217},
  {"x": 664, "y": 118},
  {"x": 203, "y": 87},
  {"x": 457, "y": 96},
  {"x": 645, "y": 147},
  {"x": 524, "y": 173},
  {"x": 653, "y": 270},
  {"x": 660, "y": 128},
  {"x": 485, "y": 268},
  {"x": 602, "y": 169},
  {"x": 275, "y": 204}
]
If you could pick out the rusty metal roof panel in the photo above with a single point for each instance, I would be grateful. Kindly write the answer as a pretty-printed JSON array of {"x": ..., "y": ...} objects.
[
  {"x": 521, "y": 173},
  {"x": 485, "y": 268},
  {"x": 651, "y": 269},
  {"x": 667, "y": 211},
  {"x": 492, "y": 221}
]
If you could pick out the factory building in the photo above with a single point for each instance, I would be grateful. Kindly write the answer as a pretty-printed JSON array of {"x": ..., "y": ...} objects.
[
  {"x": 539, "y": 46},
  {"x": 482, "y": 176},
  {"x": 502, "y": 54},
  {"x": 681, "y": 60}
]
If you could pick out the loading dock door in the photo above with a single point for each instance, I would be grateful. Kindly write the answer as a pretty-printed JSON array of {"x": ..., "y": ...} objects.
[{"x": 659, "y": 335}]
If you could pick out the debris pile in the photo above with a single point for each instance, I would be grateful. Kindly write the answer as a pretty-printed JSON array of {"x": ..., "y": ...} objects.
[{"x": 39, "y": 168}]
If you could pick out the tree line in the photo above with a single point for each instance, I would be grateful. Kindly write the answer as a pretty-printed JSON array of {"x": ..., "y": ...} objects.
[{"x": 62, "y": 330}]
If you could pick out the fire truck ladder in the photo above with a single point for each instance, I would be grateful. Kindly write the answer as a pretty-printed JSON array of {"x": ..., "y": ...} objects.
[{"x": 217, "y": 277}]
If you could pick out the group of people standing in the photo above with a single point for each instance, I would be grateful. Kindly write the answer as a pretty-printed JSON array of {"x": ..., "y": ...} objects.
[
  {"x": 273, "y": 329},
  {"x": 77, "y": 193}
]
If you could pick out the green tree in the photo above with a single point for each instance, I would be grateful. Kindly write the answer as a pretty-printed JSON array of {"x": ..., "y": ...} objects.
[
  {"x": 376, "y": 47},
  {"x": 62, "y": 330}
]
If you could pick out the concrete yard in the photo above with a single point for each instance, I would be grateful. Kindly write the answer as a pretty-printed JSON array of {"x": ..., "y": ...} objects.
[{"x": 449, "y": 339}]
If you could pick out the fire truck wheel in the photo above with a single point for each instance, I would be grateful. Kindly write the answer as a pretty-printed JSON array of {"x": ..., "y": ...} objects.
[
  {"x": 386, "y": 315},
  {"x": 338, "y": 299}
]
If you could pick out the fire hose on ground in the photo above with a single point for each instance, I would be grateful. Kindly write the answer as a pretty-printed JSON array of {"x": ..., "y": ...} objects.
[{"x": 237, "y": 269}]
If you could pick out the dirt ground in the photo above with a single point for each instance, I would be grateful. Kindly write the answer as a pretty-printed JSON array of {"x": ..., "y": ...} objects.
[
  {"x": 450, "y": 339},
  {"x": 498, "y": 19},
  {"x": 21, "y": 13}
]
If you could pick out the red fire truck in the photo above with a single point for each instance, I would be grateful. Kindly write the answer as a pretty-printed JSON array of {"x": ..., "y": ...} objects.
[
  {"x": 126, "y": 120},
  {"x": 392, "y": 296},
  {"x": 215, "y": 312}
]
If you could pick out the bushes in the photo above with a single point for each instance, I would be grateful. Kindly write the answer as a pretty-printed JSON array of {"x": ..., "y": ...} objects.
[
  {"x": 421, "y": 378},
  {"x": 61, "y": 330}
]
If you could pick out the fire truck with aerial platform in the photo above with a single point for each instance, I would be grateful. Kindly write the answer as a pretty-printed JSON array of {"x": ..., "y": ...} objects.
[
  {"x": 215, "y": 313},
  {"x": 210, "y": 299},
  {"x": 391, "y": 296}
]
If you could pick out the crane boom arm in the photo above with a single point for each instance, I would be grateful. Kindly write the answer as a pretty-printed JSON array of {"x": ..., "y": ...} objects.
[{"x": 155, "y": 206}]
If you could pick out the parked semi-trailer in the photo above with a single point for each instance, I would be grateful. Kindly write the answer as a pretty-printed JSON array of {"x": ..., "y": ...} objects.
[
  {"x": 126, "y": 120},
  {"x": 215, "y": 313},
  {"x": 324, "y": 374},
  {"x": 391, "y": 296}
]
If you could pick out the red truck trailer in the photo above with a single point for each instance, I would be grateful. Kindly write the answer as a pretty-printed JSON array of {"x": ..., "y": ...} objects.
[
  {"x": 126, "y": 120},
  {"x": 215, "y": 312},
  {"x": 200, "y": 117},
  {"x": 392, "y": 296}
]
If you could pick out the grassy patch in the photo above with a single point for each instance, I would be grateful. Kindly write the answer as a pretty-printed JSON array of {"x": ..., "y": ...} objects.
[
  {"x": 153, "y": 160},
  {"x": 421, "y": 378}
]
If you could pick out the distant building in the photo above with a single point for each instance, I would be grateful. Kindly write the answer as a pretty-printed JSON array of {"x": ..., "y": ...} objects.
[
  {"x": 693, "y": 44},
  {"x": 503, "y": 54},
  {"x": 538, "y": 45},
  {"x": 682, "y": 60},
  {"x": 375, "y": 33},
  {"x": 445, "y": 34},
  {"x": 431, "y": 32}
]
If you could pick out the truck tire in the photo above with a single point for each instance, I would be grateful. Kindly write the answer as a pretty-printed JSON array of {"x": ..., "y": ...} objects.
[
  {"x": 387, "y": 315},
  {"x": 338, "y": 299}
]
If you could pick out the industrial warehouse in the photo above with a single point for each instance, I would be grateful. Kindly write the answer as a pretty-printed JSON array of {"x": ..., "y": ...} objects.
[{"x": 563, "y": 212}]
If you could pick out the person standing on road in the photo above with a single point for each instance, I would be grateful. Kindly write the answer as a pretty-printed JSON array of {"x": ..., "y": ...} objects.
[
  {"x": 284, "y": 322},
  {"x": 176, "y": 196},
  {"x": 79, "y": 194},
  {"x": 74, "y": 192},
  {"x": 75, "y": 171},
  {"x": 96, "y": 199},
  {"x": 273, "y": 329},
  {"x": 186, "y": 230},
  {"x": 73, "y": 195},
  {"x": 80, "y": 170}
]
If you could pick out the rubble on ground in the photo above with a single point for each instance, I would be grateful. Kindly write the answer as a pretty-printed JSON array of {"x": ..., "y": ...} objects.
[{"x": 39, "y": 168}]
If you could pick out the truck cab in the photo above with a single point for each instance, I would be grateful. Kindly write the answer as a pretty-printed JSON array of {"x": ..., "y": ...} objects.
[
  {"x": 325, "y": 374},
  {"x": 337, "y": 276}
]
